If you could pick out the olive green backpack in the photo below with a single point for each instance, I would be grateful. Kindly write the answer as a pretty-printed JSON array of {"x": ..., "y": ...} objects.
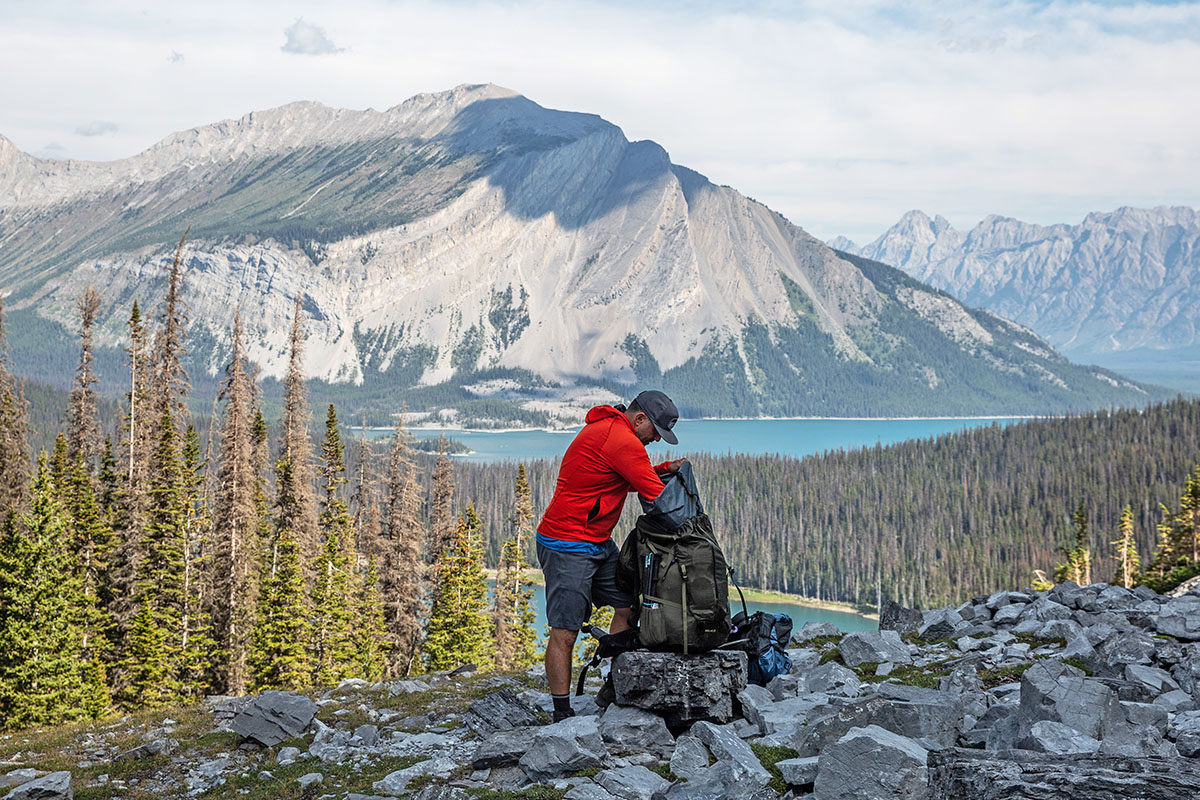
[{"x": 672, "y": 564}]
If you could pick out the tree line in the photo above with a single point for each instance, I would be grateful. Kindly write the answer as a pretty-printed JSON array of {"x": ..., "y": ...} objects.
[
  {"x": 153, "y": 566},
  {"x": 933, "y": 521}
]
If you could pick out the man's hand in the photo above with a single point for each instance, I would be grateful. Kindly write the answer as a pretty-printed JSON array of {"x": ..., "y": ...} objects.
[{"x": 675, "y": 465}]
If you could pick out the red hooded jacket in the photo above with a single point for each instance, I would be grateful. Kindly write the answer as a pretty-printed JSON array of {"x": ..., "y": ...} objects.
[{"x": 605, "y": 462}]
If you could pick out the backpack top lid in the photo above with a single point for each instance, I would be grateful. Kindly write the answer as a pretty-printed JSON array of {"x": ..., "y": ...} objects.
[{"x": 679, "y": 500}]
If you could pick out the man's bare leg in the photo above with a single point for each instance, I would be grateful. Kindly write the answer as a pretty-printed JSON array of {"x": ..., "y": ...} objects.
[
  {"x": 558, "y": 659},
  {"x": 620, "y": 620}
]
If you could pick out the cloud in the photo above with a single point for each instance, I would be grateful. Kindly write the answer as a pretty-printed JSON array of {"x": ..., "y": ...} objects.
[
  {"x": 96, "y": 128},
  {"x": 175, "y": 57},
  {"x": 52, "y": 150},
  {"x": 307, "y": 39}
]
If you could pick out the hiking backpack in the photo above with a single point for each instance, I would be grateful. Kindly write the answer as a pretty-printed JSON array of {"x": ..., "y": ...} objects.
[
  {"x": 675, "y": 569},
  {"x": 764, "y": 637}
]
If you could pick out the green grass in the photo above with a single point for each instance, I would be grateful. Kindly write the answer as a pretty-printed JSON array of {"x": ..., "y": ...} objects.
[
  {"x": 532, "y": 793},
  {"x": 1002, "y": 675},
  {"x": 769, "y": 757}
]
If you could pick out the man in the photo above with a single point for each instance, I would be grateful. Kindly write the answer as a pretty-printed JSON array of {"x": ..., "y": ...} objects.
[{"x": 606, "y": 461}]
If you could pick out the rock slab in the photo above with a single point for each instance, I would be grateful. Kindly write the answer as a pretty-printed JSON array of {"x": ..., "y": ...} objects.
[
  {"x": 55, "y": 786},
  {"x": 273, "y": 717},
  {"x": 681, "y": 689},
  {"x": 961, "y": 773}
]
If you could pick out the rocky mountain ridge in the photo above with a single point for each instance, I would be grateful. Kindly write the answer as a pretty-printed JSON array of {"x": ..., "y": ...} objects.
[
  {"x": 476, "y": 245},
  {"x": 1117, "y": 281},
  {"x": 1091, "y": 690}
]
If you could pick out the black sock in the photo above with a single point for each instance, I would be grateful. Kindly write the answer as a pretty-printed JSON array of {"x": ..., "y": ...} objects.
[{"x": 562, "y": 702}]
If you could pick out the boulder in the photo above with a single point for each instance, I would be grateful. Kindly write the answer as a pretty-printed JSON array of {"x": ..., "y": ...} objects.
[
  {"x": 632, "y": 783},
  {"x": 273, "y": 717},
  {"x": 20, "y": 776},
  {"x": 55, "y": 786},
  {"x": 155, "y": 747},
  {"x": 1119, "y": 650},
  {"x": 1185, "y": 731},
  {"x": 1180, "y": 617},
  {"x": 587, "y": 791},
  {"x": 727, "y": 746},
  {"x": 287, "y": 755},
  {"x": 503, "y": 748},
  {"x": 1136, "y": 741},
  {"x": 366, "y": 735},
  {"x": 1060, "y": 693},
  {"x": 1146, "y": 714},
  {"x": 629, "y": 728},
  {"x": 803, "y": 659},
  {"x": 1020, "y": 775},
  {"x": 813, "y": 630},
  {"x": 871, "y": 764},
  {"x": 721, "y": 781},
  {"x": 940, "y": 624},
  {"x": 1044, "y": 610},
  {"x": 1156, "y": 681},
  {"x": 1178, "y": 700},
  {"x": 874, "y": 646},
  {"x": 690, "y": 757},
  {"x": 500, "y": 710},
  {"x": 1186, "y": 671},
  {"x": 784, "y": 715},
  {"x": 1055, "y": 737},
  {"x": 1007, "y": 615},
  {"x": 1116, "y": 597},
  {"x": 782, "y": 687},
  {"x": 564, "y": 748},
  {"x": 438, "y": 792},
  {"x": 832, "y": 678},
  {"x": 798, "y": 771},
  {"x": 681, "y": 689},
  {"x": 895, "y": 617}
]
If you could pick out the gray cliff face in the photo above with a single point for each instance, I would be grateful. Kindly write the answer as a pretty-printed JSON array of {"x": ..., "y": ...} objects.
[
  {"x": 473, "y": 230},
  {"x": 1117, "y": 281}
]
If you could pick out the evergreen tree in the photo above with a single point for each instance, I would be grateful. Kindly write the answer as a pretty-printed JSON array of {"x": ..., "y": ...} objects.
[
  {"x": 1175, "y": 556},
  {"x": 442, "y": 530},
  {"x": 196, "y": 661},
  {"x": 235, "y": 522},
  {"x": 294, "y": 444},
  {"x": 332, "y": 595},
  {"x": 84, "y": 423},
  {"x": 280, "y": 657},
  {"x": 170, "y": 379},
  {"x": 1128, "y": 561},
  {"x": 370, "y": 633},
  {"x": 459, "y": 630},
  {"x": 401, "y": 578},
  {"x": 110, "y": 487},
  {"x": 513, "y": 619},
  {"x": 14, "y": 437},
  {"x": 43, "y": 666},
  {"x": 1078, "y": 566}
]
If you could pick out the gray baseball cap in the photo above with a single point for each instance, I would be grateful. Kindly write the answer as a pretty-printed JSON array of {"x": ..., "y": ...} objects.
[{"x": 661, "y": 411}]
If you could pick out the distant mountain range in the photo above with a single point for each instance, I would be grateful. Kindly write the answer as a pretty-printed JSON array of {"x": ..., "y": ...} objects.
[
  {"x": 1119, "y": 281},
  {"x": 472, "y": 250}
]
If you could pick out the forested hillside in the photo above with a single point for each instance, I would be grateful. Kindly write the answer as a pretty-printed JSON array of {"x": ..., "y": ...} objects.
[{"x": 929, "y": 521}]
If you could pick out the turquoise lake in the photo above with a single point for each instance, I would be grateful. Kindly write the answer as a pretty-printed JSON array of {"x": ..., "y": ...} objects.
[{"x": 787, "y": 437}]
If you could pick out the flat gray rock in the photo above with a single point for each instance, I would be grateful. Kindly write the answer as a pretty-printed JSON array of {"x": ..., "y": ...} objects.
[
  {"x": 503, "y": 748},
  {"x": 1185, "y": 731},
  {"x": 727, "y": 746},
  {"x": 1054, "y": 737},
  {"x": 871, "y": 764},
  {"x": 798, "y": 771},
  {"x": 273, "y": 717},
  {"x": 500, "y": 710},
  {"x": 832, "y": 678},
  {"x": 587, "y": 791},
  {"x": 1180, "y": 617},
  {"x": 690, "y": 757},
  {"x": 632, "y": 783},
  {"x": 940, "y": 624},
  {"x": 812, "y": 630},
  {"x": 629, "y": 728},
  {"x": 1060, "y": 693},
  {"x": 396, "y": 783},
  {"x": 895, "y": 617},
  {"x": 874, "y": 646},
  {"x": 564, "y": 748},
  {"x": 1020, "y": 775},
  {"x": 55, "y": 786}
]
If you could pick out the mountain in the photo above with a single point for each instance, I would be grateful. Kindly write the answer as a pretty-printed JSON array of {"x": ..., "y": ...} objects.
[
  {"x": 473, "y": 250},
  {"x": 1120, "y": 281}
]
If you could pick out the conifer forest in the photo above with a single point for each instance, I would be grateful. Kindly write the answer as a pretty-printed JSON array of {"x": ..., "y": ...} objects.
[{"x": 151, "y": 556}]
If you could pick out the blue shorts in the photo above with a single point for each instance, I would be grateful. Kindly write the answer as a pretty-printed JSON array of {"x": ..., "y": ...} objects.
[{"x": 577, "y": 581}]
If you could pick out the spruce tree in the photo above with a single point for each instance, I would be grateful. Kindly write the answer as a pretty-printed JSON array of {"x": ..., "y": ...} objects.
[
  {"x": 84, "y": 423},
  {"x": 333, "y": 590},
  {"x": 294, "y": 443},
  {"x": 14, "y": 437},
  {"x": 280, "y": 658},
  {"x": 1078, "y": 566},
  {"x": 1126, "y": 553},
  {"x": 459, "y": 630},
  {"x": 43, "y": 663},
  {"x": 370, "y": 634},
  {"x": 513, "y": 620},
  {"x": 442, "y": 528},
  {"x": 196, "y": 657},
  {"x": 401, "y": 577},
  {"x": 235, "y": 524}
]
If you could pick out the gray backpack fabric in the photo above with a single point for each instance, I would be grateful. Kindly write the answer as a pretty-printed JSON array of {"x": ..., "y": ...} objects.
[{"x": 672, "y": 564}]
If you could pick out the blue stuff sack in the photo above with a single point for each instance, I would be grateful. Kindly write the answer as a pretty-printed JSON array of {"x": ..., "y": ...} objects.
[{"x": 765, "y": 638}]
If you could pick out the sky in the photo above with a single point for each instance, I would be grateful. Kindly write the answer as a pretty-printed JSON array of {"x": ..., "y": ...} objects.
[{"x": 841, "y": 115}]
